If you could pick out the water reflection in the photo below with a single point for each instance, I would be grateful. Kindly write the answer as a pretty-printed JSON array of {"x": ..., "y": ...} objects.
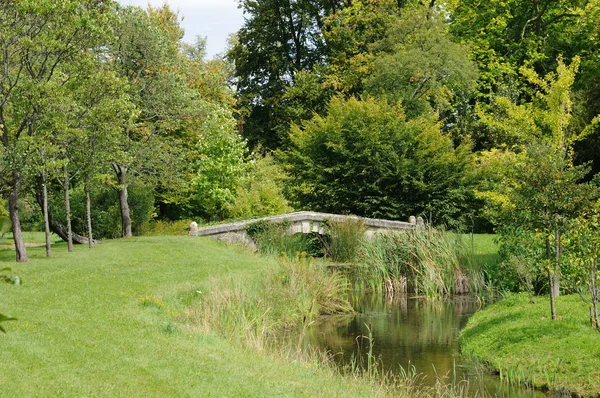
[{"x": 408, "y": 333}]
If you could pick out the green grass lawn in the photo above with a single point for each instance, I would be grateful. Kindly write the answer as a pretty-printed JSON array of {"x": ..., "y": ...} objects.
[
  {"x": 107, "y": 322},
  {"x": 484, "y": 249},
  {"x": 521, "y": 341}
]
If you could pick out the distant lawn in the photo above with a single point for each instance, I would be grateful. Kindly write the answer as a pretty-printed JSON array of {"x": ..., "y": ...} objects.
[
  {"x": 520, "y": 340},
  {"x": 33, "y": 237},
  {"x": 107, "y": 322}
]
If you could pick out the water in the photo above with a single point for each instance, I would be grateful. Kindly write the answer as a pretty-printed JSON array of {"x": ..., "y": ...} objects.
[{"x": 409, "y": 333}]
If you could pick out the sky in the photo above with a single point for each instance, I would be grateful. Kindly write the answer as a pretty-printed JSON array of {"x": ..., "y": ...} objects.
[{"x": 213, "y": 19}]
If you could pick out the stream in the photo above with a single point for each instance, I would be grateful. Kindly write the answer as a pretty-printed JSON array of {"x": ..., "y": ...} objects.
[{"x": 409, "y": 333}]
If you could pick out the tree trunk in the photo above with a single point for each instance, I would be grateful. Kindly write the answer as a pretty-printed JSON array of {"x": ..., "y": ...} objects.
[
  {"x": 88, "y": 215},
  {"x": 45, "y": 210},
  {"x": 68, "y": 211},
  {"x": 552, "y": 297},
  {"x": 61, "y": 231},
  {"x": 13, "y": 210},
  {"x": 58, "y": 228},
  {"x": 121, "y": 172},
  {"x": 594, "y": 291},
  {"x": 558, "y": 255}
]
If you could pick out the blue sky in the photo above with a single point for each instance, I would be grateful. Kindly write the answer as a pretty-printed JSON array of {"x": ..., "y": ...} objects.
[{"x": 213, "y": 19}]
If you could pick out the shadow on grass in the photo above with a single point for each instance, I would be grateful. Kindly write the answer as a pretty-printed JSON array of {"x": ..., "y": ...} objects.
[{"x": 485, "y": 260}]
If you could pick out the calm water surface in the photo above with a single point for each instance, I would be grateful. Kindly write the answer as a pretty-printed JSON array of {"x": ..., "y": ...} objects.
[{"x": 409, "y": 333}]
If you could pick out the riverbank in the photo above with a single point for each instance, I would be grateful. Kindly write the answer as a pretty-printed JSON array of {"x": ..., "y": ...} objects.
[
  {"x": 110, "y": 322},
  {"x": 521, "y": 342}
]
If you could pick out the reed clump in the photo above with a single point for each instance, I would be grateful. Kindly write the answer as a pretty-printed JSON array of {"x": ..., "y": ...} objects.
[
  {"x": 343, "y": 239},
  {"x": 289, "y": 295},
  {"x": 428, "y": 262}
]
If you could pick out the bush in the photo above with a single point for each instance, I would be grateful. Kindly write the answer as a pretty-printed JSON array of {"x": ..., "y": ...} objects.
[
  {"x": 259, "y": 192},
  {"x": 366, "y": 158}
]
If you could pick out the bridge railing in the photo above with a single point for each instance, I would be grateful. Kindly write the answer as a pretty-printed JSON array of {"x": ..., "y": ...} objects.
[{"x": 306, "y": 222}]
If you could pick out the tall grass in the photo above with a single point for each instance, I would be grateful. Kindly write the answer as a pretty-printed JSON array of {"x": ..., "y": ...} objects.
[
  {"x": 288, "y": 296},
  {"x": 429, "y": 262},
  {"x": 344, "y": 239},
  {"x": 270, "y": 314},
  {"x": 274, "y": 239}
]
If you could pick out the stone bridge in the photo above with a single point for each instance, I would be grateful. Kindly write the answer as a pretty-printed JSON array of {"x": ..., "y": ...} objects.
[{"x": 300, "y": 222}]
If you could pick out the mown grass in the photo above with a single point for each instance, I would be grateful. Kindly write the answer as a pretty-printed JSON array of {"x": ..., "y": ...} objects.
[
  {"x": 520, "y": 341},
  {"x": 110, "y": 322}
]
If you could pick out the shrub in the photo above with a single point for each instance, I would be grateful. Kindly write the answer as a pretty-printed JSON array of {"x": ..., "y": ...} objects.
[
  {"x": 274, "y": 239},
  {"x": 259, "y": 192}
]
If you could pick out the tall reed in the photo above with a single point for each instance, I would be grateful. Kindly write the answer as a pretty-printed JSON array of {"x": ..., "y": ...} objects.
[
  {"x": 343, "y": 239},
  {"x": 428, "y": 262}
]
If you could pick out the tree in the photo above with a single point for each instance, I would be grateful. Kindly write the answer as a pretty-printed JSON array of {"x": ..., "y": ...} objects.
[
  {"x": 260, "y": 189},
  {"x": 366, "y": 158},
  {"x": 219, "y": 164},
  {"x": 506, "y": 35},
  {"x": 584, "y": 245},
  {"x": 36, "y": 37},
  {"x": 146, "y": 53},
  {"x": 546, "y": 189},
  {"x": 279, "y": 38}
]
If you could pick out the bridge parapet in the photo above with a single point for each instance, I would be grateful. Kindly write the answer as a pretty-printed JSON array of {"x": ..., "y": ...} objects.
[{"x": 300, "y": 222}]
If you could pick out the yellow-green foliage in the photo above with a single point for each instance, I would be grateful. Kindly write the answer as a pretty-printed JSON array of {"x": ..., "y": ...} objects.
[
  {"x": 160, "y": 227},
  {"x": 259, "y": 191}
]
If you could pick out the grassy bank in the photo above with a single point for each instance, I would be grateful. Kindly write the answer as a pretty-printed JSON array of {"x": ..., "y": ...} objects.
[
  {"x": 109, "y": 322},
  {"x": 521, "y": 342}
]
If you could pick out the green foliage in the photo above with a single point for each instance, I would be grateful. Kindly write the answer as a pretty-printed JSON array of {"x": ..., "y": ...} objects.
[
  {"x": 106, "y": 220},
  {"x": 533, "y": 202},
  {"x": 260, "y": 190},
  {"x": 276, "y": 41},
  {"x": 365, "y": 158},
  {"x": 506, "y": 35},
  {"x": 351, "y": 34},
  {"x": 418, "y": 64},
  {"x": 583, "y": 250},
  {"x": 274, "y": 239},
  {"x": 219, "y": 166}
]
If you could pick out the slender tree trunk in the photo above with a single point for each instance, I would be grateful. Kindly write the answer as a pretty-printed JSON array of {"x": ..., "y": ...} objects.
[
  {"x": 550, "y": 278},
  {"x": 594, "y": 291},
  {"x": 68, "y": 210},
  {"x": 13, "y": 210},
  {"x": 88, "y": 214},
  {"x": 121, "y": 172},
  {"x": 58, "y": 228},
  {"x": 552, "y": 298},
  {"x": 46, "y": 220},
  {"x": 558, "y": 255}
]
